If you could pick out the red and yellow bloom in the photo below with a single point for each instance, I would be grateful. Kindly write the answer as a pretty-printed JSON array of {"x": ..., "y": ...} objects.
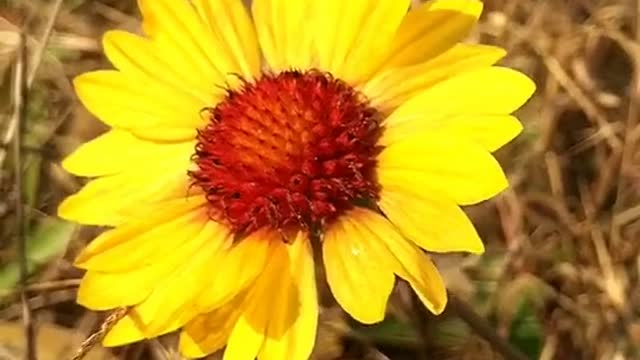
[{"x": 241, "y": 141}]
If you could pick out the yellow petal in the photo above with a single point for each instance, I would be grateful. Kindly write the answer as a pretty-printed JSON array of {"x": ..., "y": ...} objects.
[
  {"x": 210, "y": 332},
  {"x": 484, "y": 91},
  {"x": 103, "y": 290},
  {"x": 144, "y": 241},
  {"x": 409, "y": 262},
  {"x": 490, "y": 131},
  {"x": 118, "y": 150},
  {"x": 248, "y": 334},
  {"x": 353, "y": 35},
  {"x": 437, "y": 162},
  {"x": 283, "y": 30},
  {"x": 170, "y": 305},
  {"x": 112, "y": 199},
  {"x": 431, "y": 29},
  {"x": 277, "y": 318},
  {"x": 131, "y": 329},
  {"x": 121, "y": 101},
  {"x": 176, "y": 27},
  {"x": 166, "y": 133},
  {"x": 237, "y": 268},
  {"x": 229, "y": 22},
  {"x": 393, "y": 86},
  {"x": 174, "y": 298},
  {"x": 246, "y": 339},
  {"x": 291, "y": 332},
  {"x": 124, "y": 332},
  {"x": 357, "y": 274},
  {"x": 434, "y": 223},
  {"x": 141, "y": 59}
]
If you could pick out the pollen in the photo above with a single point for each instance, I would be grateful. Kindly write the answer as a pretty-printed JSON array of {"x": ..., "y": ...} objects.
[{"x": 288, "y": 150}]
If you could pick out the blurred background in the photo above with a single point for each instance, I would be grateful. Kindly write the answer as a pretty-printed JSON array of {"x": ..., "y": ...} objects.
[{"x": 560, "y": 279}]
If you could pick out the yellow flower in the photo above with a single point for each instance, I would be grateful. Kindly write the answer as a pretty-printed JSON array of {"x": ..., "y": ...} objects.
[{"x": 240, "y": 143}]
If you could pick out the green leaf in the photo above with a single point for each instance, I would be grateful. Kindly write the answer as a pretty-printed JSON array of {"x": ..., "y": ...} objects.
[
  {"x": 390, "y": 331},
  {"x": 49, "y": 239},
  {"x": 526, "y": 331},
  {"x": 448, "y": 332}
]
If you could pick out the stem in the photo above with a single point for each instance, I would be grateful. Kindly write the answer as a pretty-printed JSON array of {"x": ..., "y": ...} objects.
[
  {"x": 482, "y": 328},
  {"x": 19, "y": 114}
]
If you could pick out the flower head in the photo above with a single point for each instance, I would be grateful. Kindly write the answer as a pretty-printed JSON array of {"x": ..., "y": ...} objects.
[
  {"x": 242, "y": 140},
  {"x": 292, "y": 150}
]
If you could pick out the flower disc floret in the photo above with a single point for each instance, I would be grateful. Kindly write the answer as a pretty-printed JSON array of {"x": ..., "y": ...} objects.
[{"x": 293, "y": 149}]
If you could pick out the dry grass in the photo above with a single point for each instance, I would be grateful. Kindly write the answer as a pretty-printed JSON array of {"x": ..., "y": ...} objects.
[
  {"x": 570, "y": 223},
  {"x": 563, "y": 250}
]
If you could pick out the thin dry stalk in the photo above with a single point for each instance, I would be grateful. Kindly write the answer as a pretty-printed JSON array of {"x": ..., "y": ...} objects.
[
  {"x": 482, "y": 328},
  {"x": 108, "y": 324},
  {"x": 18, "y": 118},
  {"x": 31, "y": 68},
  {"x": 633, "y": 111},
  {"x": 53, "y": 285}
]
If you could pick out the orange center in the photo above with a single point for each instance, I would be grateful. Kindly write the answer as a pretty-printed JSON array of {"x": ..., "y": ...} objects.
[{"x": 294, "y": 149}]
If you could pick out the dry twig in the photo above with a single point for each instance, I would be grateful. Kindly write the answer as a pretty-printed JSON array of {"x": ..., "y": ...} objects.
[
  {"x": 19, "y": 113},
  {"x": 481, "y": 327},
  {"x": 97, "y": 336}
]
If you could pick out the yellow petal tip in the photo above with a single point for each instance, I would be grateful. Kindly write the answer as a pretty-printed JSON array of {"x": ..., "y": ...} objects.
[
  {"x": 477, "y": 248},
  {"x": 520, "y": 82},
  {"x": 437, "y": 309},
  {"x": 81, "y": 261},
  {"x": 189, "y": 348},
  {"x": 470, "y": 7},
  {"x": 65, "y": 209},
  {"x": 370, "y": 319},
  {"x": 124, "y": 332},
  {"x": 73, "y": 164}
]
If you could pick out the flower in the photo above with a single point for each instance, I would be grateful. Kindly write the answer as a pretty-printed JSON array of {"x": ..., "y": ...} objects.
[{"x": 240, "y": 144}]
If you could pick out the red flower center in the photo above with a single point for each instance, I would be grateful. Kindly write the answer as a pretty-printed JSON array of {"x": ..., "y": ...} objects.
[{"x": 295, "y": 149}]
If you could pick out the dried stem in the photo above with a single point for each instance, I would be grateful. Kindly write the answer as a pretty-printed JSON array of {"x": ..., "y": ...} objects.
[
  {"x": 31, "y": 69},
  {"x": 97, "y": 336},
  {"x": 53, "y": 285},
  {"x": 18, "y": 118},
  {"x": 22, "y": 80},
  {"x": 633, "y": 113},
  {"x": 39, "y": 52},
  {"x": 482, "y": 328}
]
